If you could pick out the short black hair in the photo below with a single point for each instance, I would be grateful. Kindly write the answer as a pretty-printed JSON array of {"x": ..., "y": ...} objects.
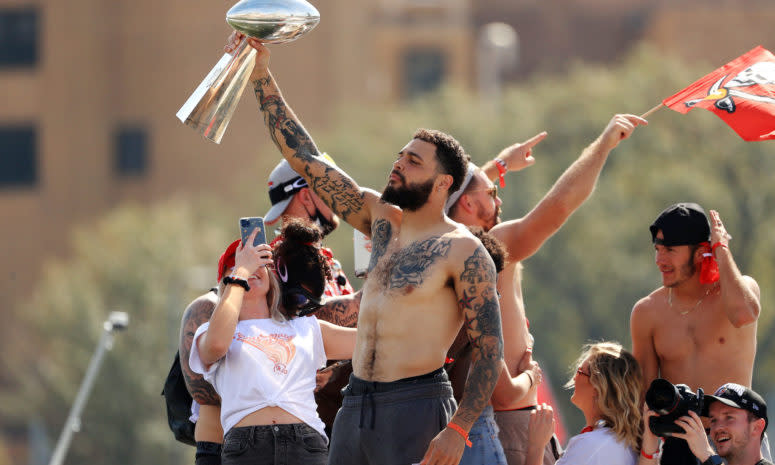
[
  {"x": 494, "y": 247},
  {"x": 450, "y": 154}
]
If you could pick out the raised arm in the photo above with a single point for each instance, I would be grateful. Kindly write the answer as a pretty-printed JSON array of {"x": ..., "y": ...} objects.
[
  {"x": 214, "y": 343},
  {"x": 197, "y": 313},
  {"x": 341, "y": 310},
  {"x": 739, "y": 294},
  {"x": 332, "y": 185},
  {"x": 643, "y": 342},
  {"x": 525, "y": 236},
  {"x": 478, "y": 301},
  {"x": 515, "y": 157}
]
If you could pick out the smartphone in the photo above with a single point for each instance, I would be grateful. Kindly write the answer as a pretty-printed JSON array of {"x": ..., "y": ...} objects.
[{"x": 246, "y": 227}]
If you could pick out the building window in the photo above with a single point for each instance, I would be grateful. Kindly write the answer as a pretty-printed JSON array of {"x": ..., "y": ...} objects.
[
  {"x": 18, "y": 37},
  {"x": 423, "y": 71},
  {"x": 18, "y": 157},
  {"x": 131, "y": 152}
]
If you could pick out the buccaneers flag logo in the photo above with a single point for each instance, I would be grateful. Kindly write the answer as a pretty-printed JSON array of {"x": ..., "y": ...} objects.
[{"x": 742, "y": 93}]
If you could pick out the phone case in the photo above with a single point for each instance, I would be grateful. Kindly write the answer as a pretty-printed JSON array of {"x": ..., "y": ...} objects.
[{"x": 247, "y": 225}]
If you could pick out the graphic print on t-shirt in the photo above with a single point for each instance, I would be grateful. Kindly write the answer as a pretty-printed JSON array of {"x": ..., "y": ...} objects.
[{"x": 279, "y": 348}]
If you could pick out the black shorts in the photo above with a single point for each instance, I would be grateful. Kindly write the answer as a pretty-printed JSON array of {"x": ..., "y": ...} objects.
[{"x": 391, "y": 423}]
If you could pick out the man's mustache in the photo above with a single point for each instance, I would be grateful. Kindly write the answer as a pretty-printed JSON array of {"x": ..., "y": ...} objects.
[{"x": 399, "y": 175}]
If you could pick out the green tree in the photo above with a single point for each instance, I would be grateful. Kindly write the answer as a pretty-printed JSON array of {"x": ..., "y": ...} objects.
[{"x": 136, "y": 260}]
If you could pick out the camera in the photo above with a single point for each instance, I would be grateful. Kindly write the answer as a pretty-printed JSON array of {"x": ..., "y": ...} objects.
[{"x": 671, "y": 402}]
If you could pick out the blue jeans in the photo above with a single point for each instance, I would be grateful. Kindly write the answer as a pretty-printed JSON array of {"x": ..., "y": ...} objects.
[
  {"x": 208, "y": 453},
  {"x": 293, "y": 444},
  {"x": 486, "y": 448}
]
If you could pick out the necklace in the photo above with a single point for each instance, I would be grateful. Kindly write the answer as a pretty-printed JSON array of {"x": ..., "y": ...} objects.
[{"x": 686, "y": 312}]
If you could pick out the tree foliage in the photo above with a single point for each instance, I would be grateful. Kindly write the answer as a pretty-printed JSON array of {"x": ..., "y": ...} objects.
[{"x": 136, "y": 260}]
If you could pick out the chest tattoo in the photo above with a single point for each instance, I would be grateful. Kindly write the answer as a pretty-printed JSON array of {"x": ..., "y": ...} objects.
[
  {"x": 406, "y": 267},
  {"x": 381, "y": 232}
]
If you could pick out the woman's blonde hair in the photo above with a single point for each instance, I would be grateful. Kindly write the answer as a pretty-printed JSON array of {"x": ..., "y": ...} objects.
[
  {"x": 616, "y": 376},
  {"x": 272, "y": 296}
]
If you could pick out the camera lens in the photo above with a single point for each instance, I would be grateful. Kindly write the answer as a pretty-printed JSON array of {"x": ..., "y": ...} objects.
[{"x": 662, "y": 397}]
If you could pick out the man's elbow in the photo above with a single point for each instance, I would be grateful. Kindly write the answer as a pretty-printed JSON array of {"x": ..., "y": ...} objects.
[{"x": 745, "y": 315}]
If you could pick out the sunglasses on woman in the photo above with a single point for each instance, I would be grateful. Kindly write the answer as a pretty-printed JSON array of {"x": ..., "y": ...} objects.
[{"x": 302, "y": 300}]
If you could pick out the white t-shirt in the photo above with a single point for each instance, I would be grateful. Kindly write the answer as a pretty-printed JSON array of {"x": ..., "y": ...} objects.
[
  {"x": 597, "y": 447},
  {"x": 268, "y": 364}
]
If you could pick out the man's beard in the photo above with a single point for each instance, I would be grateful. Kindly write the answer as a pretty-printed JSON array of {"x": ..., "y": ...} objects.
[
  {"x": 490, "y": 222},
  {"x": 687, "y": 270},
  {"x": 409, "y": 198}
]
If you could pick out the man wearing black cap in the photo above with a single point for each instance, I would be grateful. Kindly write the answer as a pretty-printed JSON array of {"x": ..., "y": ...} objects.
[
  {"x": 738, "y": 418},
  {"x": 699, "y": 328}
]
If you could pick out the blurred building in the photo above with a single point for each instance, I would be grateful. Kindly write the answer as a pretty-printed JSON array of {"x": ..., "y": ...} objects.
[{"x": 90, "y": 88}]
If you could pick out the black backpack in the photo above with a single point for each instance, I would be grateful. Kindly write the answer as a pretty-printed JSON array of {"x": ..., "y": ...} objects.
[{"x": 178, "y": 404}]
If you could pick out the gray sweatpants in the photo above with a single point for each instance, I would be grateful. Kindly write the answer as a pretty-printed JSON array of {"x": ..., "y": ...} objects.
[{"x": 390, "y": 423}]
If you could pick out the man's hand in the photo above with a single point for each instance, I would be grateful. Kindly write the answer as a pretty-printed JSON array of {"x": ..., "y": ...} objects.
[
  {"x": 531, "y": 367},
  {"x": 695, "y": 436},
  {"x": 322, "y": 378},
  {"x": 262, "y": 53},
  {"x": 445, "y": 449},
  {"x": 233, "y": 41},
  {"x": 718, "y": 233},
  {"x": 520, "y": 155},
  {"x": 619, "y": 128}
]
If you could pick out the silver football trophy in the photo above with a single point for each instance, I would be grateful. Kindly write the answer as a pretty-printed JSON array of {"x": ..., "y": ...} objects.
[{"x": 209, "y": 109}]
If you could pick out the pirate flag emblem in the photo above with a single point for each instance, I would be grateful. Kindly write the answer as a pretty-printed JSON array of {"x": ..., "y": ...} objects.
[{"x": 746, "y": 101}]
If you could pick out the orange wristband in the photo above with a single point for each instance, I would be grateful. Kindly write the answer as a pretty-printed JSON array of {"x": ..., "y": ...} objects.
[
  {"x": 648, "y": 456},
  {"x": 460, "y": 431}
]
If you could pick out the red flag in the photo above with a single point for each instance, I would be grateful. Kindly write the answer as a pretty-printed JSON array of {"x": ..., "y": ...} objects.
[
  {"x": 546, "y": 396},
  {"x": 742, "y": 93}
]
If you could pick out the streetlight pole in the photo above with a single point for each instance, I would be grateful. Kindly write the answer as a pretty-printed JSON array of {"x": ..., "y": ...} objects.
[{"x": 116, "y": 321}]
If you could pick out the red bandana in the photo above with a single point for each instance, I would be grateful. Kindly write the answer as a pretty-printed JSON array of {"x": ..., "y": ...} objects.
[{"x": 709, "y": 268}]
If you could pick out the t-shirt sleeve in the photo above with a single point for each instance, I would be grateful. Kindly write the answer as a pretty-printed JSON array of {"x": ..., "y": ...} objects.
[
  {"x": 593, "y": 450},
  {"x": 319, "y": 350},
  {"x": 194, "y": 360}
]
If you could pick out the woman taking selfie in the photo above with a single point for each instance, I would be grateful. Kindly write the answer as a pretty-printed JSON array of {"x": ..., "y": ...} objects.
[
  {"x": 261, "y": 357},
  {"x": 607, "y": 389}
]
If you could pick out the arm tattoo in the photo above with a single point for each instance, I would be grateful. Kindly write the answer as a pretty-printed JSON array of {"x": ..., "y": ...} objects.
[
  {"x": 406, "y": 268},
  {"x": 341, "y": 310},
  {"x": 196, "y": 315},
  {"x": 339, "y": 192},
  {"x": 482, "y": 318},
  {"x": 381, "y": 232},
  {"x": 332, "y": 186}
]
